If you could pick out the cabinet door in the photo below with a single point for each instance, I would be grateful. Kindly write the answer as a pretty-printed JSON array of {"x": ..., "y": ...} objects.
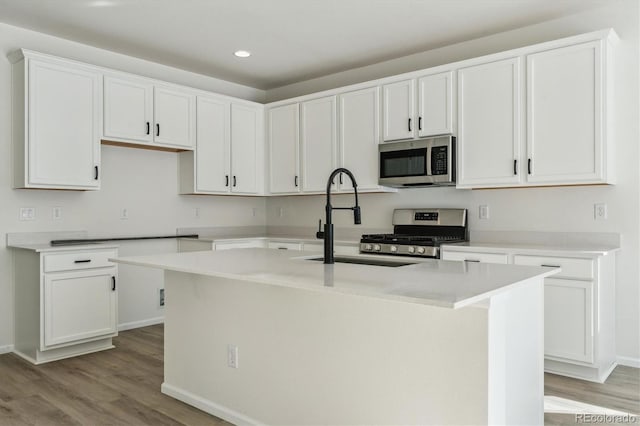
[
  {"x": 175, "y": 117},
  {"x": 128, "y": 110},
  {"x": 244, "y": 149},
  {"x": 564, "y": 115},
  {"x": 64, "y": 110},
  {"x": 318, "y": 137},
  {"x": 489, "y": 124},
  {"x": 359, "y": 136},
  {"x": 398, "y": 110},
  {"x": 568, "y": 319},
  {"x": 79, "y": 305},
  {"x": 284, "y": 174},
  {"x": 435, "y": 104},
  {"x": 213, "y": 146}
]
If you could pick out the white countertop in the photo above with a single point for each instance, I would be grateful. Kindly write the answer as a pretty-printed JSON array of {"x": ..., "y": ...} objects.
[
  {"x": 569, "y": 250},
  {"x": 431, "y": 282},
  {"x": 48, "y": 248}
]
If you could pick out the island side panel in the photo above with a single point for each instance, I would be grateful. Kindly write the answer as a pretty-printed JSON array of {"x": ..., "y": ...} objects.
[
  {"x": 516, "y": 355},
  {"x": 315, "y": 357}
]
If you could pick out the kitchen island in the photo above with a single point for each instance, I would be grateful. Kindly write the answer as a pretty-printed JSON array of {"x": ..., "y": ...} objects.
[{"x": 260, "y": 336}]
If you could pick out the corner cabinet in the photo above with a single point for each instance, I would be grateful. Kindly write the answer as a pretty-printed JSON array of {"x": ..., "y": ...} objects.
[
  {"x": 65, "y": 302},
  {"x": 561, "y": 92},
  {"x": 57, "y": 114},
  {"x": 229, "y": 153},
  {"x": 137, "y": 111},
  {"x": 579, "y": 306}
]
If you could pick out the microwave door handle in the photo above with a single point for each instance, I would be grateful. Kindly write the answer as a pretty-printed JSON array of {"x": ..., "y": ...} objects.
[{"x": 428, "y": 160}]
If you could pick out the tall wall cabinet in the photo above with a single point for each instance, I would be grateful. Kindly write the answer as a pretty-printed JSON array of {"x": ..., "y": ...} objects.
[{"x": 57, "y": 107}]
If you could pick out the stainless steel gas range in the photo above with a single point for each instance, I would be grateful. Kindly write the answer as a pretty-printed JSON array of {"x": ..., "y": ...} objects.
[{"x": 418, "y": 232}]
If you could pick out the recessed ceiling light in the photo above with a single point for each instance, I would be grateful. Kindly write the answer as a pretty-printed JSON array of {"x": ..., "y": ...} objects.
[
  {"x": 102, "y": 3},
  {"x": 242, "y": 53}
]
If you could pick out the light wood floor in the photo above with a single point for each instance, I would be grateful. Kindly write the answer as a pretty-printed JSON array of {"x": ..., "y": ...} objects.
[{"x": 122, "y": 387}]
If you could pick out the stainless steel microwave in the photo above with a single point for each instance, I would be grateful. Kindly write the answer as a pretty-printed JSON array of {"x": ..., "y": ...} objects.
[{"x": 423, "y": 162}]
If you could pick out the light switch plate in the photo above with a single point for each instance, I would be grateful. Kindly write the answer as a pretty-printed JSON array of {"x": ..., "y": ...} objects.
[
  {"x": 27, "y": 213},
  {"x": 483, "y": 212}
]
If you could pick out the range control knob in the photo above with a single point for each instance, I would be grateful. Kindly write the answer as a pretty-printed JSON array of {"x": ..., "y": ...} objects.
[
  {"x": 411, "y": 249},
  {"x": 393, "y": 249},
  {"x": 377, "y": 247},
  {"x": 367, "y": 247},
  {"x": 420, "y": 250}
]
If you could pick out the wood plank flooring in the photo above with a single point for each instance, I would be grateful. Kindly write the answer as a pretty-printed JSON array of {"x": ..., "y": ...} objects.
[{"x": 122, "y": 387}]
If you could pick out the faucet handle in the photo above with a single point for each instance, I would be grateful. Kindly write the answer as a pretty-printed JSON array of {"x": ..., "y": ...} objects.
[
  {"x": 357, "y": 215},
  {"x": 320, "y": 234}
]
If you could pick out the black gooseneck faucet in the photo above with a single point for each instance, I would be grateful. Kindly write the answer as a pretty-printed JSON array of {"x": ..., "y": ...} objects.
[{"x": 327, "y": 235}]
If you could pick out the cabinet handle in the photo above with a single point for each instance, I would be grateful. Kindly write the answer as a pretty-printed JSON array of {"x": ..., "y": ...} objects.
[
  {"x": 472, "y": 260},
  {"x": 96, "y": 173},
  {"x": 340, "y": 178},
  {"x": 551, "y": 266},
  {"x": 235, "y": 182},
  {"x": 113, "y": 283},
  {"x": 226, "y": 180},
  {"x": 282, "y": 248},
  {"x": 515, "y": 167},
  {"x": 529, "y": 166},
  {"x": 148, "y": 127},
  {"x": 409, "y": 124},
  {"x": 419, "y": 123},
  {"x": 157, "y": 129},
  {"x": 82, "y": 261},
  {"x": 295, "y": 181}
]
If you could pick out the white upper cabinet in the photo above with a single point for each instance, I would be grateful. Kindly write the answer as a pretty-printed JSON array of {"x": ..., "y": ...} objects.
[
  {"x": 175, "y": 117},
  {"x": 359, "y": 136},
  {"x": 435, "y": 104},
  {"x": 229, "y": 152},
  {"x": 213, "y": 148},
  {"x": 128, "y": 109},
  {"x": 565, "y": 115},
  {"x": 57, "y": 117},
  {"x": 318, "y": 142},
  {"x": 284, "y": 143},
  {"x": 247, "y": 150},
  {"x": 489, "y": 97},
  {"x": 138, "y": 111},
  {"x": 399, "y": 110}
]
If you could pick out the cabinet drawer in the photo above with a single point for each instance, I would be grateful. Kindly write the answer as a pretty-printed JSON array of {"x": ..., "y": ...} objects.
[
  {"x": 78, "y": 260},
  {"x": 581, "y": 269},
  {"x": 475, "y": 257},
  {"x": 284, "y": 246}
]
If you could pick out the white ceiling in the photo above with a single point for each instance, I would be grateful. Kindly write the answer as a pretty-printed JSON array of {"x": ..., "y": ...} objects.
[{"x": 291, "y": 40}]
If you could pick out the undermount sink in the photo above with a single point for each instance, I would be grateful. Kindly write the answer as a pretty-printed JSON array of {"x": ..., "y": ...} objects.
[{"x": 366, "y": 261}]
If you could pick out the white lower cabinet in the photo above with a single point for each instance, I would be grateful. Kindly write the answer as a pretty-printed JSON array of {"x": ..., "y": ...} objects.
[
  {"x": 66, "y": 303},
  {"x": 243, "y": 243},
  {"x": 281, "y": 245},
  {"x": 579, "y": 308}
]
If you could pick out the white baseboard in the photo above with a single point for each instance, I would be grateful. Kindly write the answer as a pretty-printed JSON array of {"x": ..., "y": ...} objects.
[
  {"x": 208, "y": 406},
  {"x": 138, "y": 324},
  {"x": 6, "y": 349},
  {"x": 629, "y": 361}
]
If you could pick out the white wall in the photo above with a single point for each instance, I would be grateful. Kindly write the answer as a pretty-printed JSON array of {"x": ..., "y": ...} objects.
[
  {"x": 145, "y": 182},
  {"x": 568, "y": 209}
]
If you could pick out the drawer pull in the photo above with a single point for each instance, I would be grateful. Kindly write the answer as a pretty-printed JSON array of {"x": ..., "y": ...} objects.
[
  {"x": 472, "y": 260},
  {"x": 551, "y": 266},
  {"x": 283, "y": 248},
  {"x": 82, "y": 261}
]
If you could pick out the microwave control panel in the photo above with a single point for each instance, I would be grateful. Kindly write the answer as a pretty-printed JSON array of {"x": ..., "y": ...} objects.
[{"x": 439, "y": 160}]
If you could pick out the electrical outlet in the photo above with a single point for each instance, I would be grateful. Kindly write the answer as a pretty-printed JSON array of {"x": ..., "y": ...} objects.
[
  {"x": 483, "y": 212},
  {"x": 124, "y": 214},
  {"x": 254, "y": 212},
  {"x": 196, "y": 212},
  {"x": 56, "y": 213},
  {"x": 232, "y": 356},
  {"x": 27, "y": 213},
  {"x": 280, "y": 211},
  {"x": 161, "y": 298},
  {"x": 600, "y": 211}
]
